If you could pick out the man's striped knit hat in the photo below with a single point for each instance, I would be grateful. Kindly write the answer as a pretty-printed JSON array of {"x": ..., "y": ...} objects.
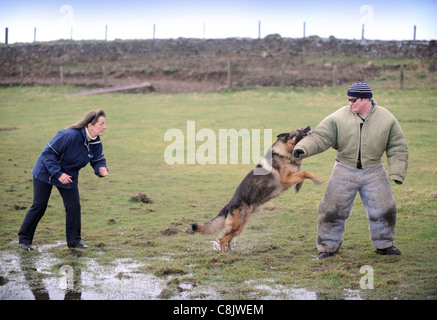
[{"x": 360, "y": 90}]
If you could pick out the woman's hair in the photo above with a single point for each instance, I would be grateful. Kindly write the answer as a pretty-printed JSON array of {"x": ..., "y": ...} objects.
[{"x": 89, "y": 117}]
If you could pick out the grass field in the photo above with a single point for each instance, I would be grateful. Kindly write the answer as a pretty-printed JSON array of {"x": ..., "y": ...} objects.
[{"x": 276, "y": 252}]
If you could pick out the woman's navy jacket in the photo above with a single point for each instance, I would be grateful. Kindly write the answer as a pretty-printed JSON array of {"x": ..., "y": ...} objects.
[{"x": 68, "y": 152}]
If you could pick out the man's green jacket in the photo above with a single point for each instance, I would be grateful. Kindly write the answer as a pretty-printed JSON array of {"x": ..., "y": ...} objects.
[{"x": 352, "y": 137}]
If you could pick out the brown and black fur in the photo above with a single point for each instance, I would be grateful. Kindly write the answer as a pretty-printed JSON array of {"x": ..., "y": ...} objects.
[{"x": 281, "y": 172}]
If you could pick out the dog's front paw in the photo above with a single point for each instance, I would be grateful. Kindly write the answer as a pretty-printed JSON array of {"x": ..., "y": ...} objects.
[{"x": 298, "y": 186}]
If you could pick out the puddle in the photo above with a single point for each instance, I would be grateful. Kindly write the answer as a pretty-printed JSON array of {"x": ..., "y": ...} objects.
[
  {"x": 281, "y": 292},
  {"x": 272, "y": 291},
  {"x": 30, "y": 276}
]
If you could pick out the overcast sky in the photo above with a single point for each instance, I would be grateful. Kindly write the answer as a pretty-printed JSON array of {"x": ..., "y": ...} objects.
[{"x": 133, "y": 19}]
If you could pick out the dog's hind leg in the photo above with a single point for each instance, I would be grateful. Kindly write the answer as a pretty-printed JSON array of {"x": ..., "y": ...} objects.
[
  {"x": 234, "y": 224},
  {"x": 224, "y": 242},
  {"x": 228, "y": 247},
  {"x": 231, "y": 221}
]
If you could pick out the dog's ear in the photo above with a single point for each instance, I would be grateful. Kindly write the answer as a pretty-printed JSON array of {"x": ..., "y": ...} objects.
[{"x": 283, "y": 136}]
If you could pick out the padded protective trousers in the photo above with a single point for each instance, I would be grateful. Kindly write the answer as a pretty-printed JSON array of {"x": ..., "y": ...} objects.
[
  {"x": 41, "y": 195},
  {"x": 335, "y": 207}
]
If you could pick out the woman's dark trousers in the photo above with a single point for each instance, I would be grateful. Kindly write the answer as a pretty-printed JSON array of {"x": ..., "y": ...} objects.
[{"x": 41, "y": 195}]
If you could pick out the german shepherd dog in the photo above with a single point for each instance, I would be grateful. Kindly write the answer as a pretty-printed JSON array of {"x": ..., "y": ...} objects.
[{"x": 275, "y": 173}]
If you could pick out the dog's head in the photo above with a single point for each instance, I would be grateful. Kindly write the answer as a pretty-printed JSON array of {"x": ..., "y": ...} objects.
[{"x": 293, "y": 137}]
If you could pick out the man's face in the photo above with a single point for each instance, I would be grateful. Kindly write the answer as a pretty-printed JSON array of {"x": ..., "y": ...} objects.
[{"x": 358, "y": 104}]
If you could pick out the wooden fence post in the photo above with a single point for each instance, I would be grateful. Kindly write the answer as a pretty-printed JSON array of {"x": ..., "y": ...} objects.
[
  {"x": 229, "y": 75},
  {"x": 105, "y": 77},
  {"x": 334, "y": 75},
  {"x": 21, "y": 76},
  {"x": 402, "y": 77},
  {"x": 61, "y": 74}
]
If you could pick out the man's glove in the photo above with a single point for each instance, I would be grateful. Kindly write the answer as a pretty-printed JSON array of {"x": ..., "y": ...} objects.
[{"x": 297, "y": 153}]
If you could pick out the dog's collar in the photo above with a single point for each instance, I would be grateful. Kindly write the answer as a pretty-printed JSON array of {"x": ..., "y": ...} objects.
[{"x": 281, "y": 155}]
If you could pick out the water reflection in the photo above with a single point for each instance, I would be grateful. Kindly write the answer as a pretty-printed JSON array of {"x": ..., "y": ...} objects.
[
  {"x": 34, "y": 279},
  {"x": 41, "y": 276}
]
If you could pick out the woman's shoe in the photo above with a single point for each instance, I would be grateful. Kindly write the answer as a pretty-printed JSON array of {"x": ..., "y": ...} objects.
[
  {"x": 79, "y": 245},
  {"x": 25, "y": 247}
]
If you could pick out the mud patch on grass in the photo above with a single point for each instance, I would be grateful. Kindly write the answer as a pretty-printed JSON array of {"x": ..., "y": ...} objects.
[
  {"x": 170, "y": 271},
  {"x": 170, "y": 231},
  {"x": 18, "y": 207},
  {"x": 173, "y": 229},
  {"x": 141, "y": 197},
  {"x": 3, "y": 281}
]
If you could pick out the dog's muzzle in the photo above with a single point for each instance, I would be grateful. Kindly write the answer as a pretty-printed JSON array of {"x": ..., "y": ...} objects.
[{"x": 306, "y": 131}]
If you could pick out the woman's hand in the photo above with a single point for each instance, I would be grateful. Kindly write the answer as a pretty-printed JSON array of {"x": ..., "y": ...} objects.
[
  {"x": 103, "y": 171},
  {"x": 65, "y": 179}
]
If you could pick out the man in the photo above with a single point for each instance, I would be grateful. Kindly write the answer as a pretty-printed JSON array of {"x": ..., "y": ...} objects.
[{"x": 361, "y": 133}]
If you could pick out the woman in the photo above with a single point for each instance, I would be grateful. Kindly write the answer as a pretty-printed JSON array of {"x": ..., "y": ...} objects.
[{"x": 58, "y": 165}]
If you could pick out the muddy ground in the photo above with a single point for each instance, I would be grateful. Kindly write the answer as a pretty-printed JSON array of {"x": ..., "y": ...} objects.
[{"x": 38, "y": 275}]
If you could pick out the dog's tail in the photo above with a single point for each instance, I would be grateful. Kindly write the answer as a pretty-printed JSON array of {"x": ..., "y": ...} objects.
[{"x": 213, "y": 226}]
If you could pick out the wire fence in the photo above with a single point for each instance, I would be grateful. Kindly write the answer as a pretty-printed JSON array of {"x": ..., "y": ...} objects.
[{"x": 412, "y": 34}]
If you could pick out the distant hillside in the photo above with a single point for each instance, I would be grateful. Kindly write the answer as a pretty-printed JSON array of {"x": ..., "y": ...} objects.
[{"x": 187, "y": 65}]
